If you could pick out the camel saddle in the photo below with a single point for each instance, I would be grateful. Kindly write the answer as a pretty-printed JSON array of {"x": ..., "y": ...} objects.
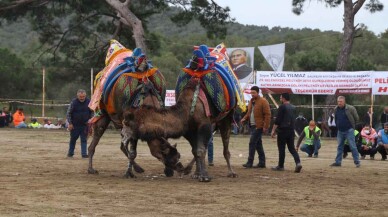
[
  {"x": 121, "y": 83},
  {"x": 216, "y": 79}
]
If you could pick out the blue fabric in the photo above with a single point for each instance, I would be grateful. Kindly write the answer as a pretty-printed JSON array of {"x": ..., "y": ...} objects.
[
  {"x": 342, "y": 121},
  {"x": 21, "y": 125},
  {"x": 384, "y": 137},
  {"x": 210, "y": 149},
  {"x": 256, "y": 144},
  {"x": 349, "y": 136},
  {"x": 312, "y": 149},
  {"x": 79, "y": 131}
]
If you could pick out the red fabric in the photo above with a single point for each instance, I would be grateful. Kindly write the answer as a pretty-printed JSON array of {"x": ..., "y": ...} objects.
[{"x": 203, "y": 98}]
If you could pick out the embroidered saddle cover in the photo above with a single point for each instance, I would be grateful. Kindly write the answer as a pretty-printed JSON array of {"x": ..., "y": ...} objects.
[
  {"x": 121, "y": 75},
  {"x": 217, "y": 78}
]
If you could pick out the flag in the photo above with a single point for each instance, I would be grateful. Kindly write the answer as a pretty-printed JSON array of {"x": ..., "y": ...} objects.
[{"x": 274, "y": 54}]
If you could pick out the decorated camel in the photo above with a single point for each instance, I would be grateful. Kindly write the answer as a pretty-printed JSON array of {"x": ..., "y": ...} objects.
[
  {"x": 207, "y": 92},
  {"x": 127, "y": 82}
]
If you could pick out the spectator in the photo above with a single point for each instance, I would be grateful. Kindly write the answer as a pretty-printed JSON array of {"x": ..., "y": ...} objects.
[
  {"x": 19, "y": 118},
  {"x": 384, "y": 116},
  {"x": 238, "y": 60},
  {"x": 332, "y": 126},
  {"x": 382, "y": 142},
  {"x": 49, "y": 125},
  {"x": 34, "y": 124},
  {"x": 368, "y": 142},
  {"x": 312, "y": 142},
  {"x": 300, "y": 123},
  {"x": 259, "y": 117},
  {"x": 236, "y": 123},
  {"x": 284, "y": 128},
  {"x": 5, "y": 117},
  {"x": 78, "y": 115},
  {"x": 368, "y": 117},
  {"x": 210, "y": 148},
  {"x": 357, "y": 140},
  {"x": 346, "y": 118}
]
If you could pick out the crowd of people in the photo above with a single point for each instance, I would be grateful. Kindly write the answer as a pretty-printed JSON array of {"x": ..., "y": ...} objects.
[
  {"x": 353, "y": 135},
  {"x": 360, "y": 140},
  {"x": 18, "y": 120}
]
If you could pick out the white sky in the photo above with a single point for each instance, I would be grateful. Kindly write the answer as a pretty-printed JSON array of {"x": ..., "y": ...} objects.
[{"x": 316, "y": 15}]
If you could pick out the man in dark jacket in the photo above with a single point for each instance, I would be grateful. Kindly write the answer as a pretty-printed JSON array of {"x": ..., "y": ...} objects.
[
  {"x": 384, "y": 117},
  {"x": 78, "y": 115},
  {"x": 300, "y": 123},
  {"x": 346, "y": 118},
  {"x": 284, "y": 127}
]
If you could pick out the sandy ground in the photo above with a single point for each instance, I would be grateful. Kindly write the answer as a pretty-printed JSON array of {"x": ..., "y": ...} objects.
[{"x": 36, "y": 179}]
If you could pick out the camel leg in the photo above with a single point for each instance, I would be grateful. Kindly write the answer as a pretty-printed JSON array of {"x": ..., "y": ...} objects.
[
  {"x": 131, "y": 154},
  {"x": 189, "y": 167},
  {"x": 98, "y": 130},
  {"x": 155, "y": 149},
  {"x": 225, "y": 128},
  {"x": 199, "y": 145}
]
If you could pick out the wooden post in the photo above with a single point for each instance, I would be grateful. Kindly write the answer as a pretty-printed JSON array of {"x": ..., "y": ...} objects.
[
  {"x": 43, "y": 90},
  {"x": 91, "y": 81},
  {"x": 371, "y": 109}
]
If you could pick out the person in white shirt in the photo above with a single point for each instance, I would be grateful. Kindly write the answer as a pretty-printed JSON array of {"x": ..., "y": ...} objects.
[{"x": 332, "y": 126}]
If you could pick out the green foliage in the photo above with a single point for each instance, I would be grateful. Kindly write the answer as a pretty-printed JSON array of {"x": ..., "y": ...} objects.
[
  {"x": 371, "y": 5},
  {"x": 16, "y": 79}
]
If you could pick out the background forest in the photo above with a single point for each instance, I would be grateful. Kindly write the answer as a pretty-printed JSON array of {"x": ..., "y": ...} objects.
[{"x": 23, "y": 56}]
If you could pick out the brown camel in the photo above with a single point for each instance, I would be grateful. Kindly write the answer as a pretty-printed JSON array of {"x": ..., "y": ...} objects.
[
  {"x": 129, "y": 92},
  {"x": 149, "y": 123}
]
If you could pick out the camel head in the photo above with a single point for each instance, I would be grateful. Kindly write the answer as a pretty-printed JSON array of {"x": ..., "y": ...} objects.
[{"x": 171, "y": 157}]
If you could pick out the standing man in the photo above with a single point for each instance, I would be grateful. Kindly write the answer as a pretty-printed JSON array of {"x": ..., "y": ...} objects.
[
  {"x": 346, "y": 118},
  {"x": 384, "y": 117},
  {"x": 78, "y": 115},
  {"x": 284, "y": 126},
  {"x": 259, "y": 116},
  {"x": 300, "y": 123}
]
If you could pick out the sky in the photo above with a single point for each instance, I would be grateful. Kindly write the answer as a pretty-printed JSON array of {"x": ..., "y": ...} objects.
[{"x": 316, "y": 15}]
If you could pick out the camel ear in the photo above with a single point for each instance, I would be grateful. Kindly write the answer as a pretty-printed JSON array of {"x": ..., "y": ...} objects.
[{"x": 175, "y": 145}]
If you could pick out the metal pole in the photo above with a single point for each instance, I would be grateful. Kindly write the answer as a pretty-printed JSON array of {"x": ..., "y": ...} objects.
[{"x": 43, "y": 90}]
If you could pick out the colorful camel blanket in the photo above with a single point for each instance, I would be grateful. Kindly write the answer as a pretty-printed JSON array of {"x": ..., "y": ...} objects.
[
  {"x": 121, "y": 83},
  {"x": 217, "y": 78}
]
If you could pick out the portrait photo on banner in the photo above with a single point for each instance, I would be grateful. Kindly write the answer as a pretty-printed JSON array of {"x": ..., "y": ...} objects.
[{"x": 241, "y": 60}]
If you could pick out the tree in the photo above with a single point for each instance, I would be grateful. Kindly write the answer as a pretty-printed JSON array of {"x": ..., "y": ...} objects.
[
  {"x": 17, "y": 81},
  {"x": 350, "y": 30},
  {"x": 82, "y": 29}
]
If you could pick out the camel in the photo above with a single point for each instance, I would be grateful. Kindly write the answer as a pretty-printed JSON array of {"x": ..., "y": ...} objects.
[
  {"x": 127, "y": 94},
  {"x": 187, "y": 118}
]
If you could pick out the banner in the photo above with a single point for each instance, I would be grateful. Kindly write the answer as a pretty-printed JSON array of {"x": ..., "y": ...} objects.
[
  {"x": 317, "y": 83},
  {"x": 241, "y": 60},
  {"x": 380, "y": 83},
  {"x": 170, "y": 98},
  {"x": 247, "y": 92},
  {"x": 274, "y": 54}
]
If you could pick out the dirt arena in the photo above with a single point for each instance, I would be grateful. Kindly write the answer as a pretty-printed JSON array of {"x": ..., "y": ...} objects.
[{"x": 36, "y": 179}]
